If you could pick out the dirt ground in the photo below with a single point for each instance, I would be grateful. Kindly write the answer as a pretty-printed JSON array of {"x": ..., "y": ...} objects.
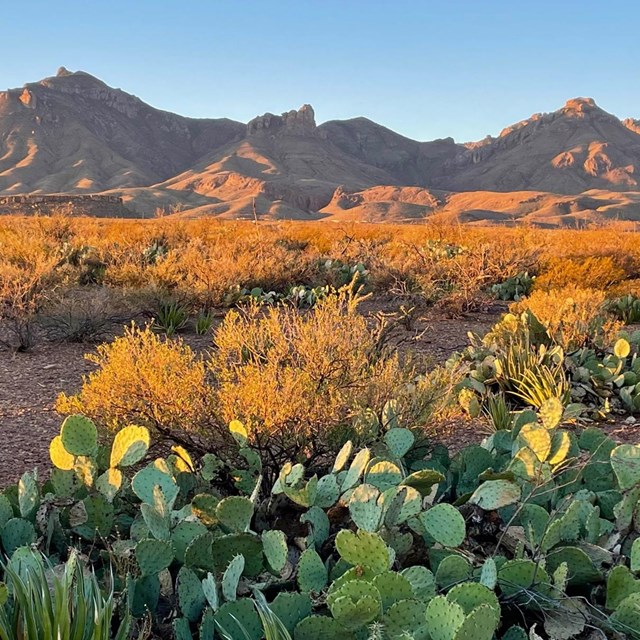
[{"x": 30, "y": 383}]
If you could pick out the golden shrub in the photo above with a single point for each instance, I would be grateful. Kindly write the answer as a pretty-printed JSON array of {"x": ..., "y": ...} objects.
[
  {"x": 574, "y": 316},
  {"x": 145, "y": 379},
  {"x": 592, "y": 272},
  {"x": 298, "y": 381}
]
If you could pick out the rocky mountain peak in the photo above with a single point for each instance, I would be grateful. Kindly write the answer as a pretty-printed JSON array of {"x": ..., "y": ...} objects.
[
  {"x": 300, "y": 122},
  {"x": 582, "y": 107}
]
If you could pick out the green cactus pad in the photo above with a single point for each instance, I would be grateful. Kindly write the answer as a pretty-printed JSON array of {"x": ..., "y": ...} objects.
[
  {"x": 537, "y": 438},
  {"x": 130, "y": 445},
  {"x": 515, "y": 633},
  {"x": 143, "y": 595},
  {"x": 496, "y": 494},
  {"x": 327, "y": 491},
  {"x": 235, "y": 513},
  {"x": 199, "y": 553},
  {"x": 17, "y": 533},
  {"x": 291, "y": 608},
  {"x": 444, "y": 524},
  {"x": 351, "y": 575},
  {"x": 625, "y": 508},
  {"x": 312, "y": 574},
  {"x": 401, "y": 504},
  {"x": 560, "y": 447},
  {"x": 6, "y": 511},
  {"x": 109, "y": 483},
  {"x": 86, "y": 470},
  {"x": 65, "y": 483},
  {"x": 423, "y": 480},
  {"x": 241, "y": 612},
  {"x": 422, "y": 581},
  {"x": 60, "y": 457},
  {"x": 383, "y": 474},
  {"x": 153, "y": 556},
  {"x": 581, "y": 569},
  {"x": 550, "y": 413},
  {"x": 620, "y": 585},
  {"x": 204, "y": 507},
  {"x": 274, "y": 544},
  {"x": 99, "y": 518},
  {"x": 451, "y": 570},
  {"x": 343, "y": 457},
  {"x": 249, "y": 545},
  {"x": 470, "y": 595},
  {"x": 144, "y": 482},
  {"x": 355, "y": 614},
  {"x": 210, "y": 590},
  {"x": 635, "y": 556},
  {"x": 444, "y": 618},
  {"x": 181, "y": 629},
  {"x": 626, "y": 617},
  {"x": 231, "y": 578},
  {"x": 190, "y": 594},
  {"x": 319, "y": 526},
  {"x": 365, "y": 508},
  {"x": 157, "y": 523},
  {"x": 358, "y": 465},
  {"x": 239, "y": 432},
  {"x": 625, "y": 460},
  {"x": 184, "y": 534},
  {"x": 489, "y": 573},
  {"x": 321, "y": 628},
  {"x": 480, "y": 624},
  {"x": 516, "y": 575},
  {"x": 28, "y": 495},
  {"x": 406, "y": 618},
  {"x": 211, "y": 466},
  {"x": 79, "y": 436},
  {"x": 363, "y": 549},
  {"x": 399, "y": 441},
  {"x": 393, "y": 587}
]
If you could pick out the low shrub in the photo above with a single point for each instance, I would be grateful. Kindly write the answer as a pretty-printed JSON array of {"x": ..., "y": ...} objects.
[
  {"x": 301, "y": 381},
  {"x": 145, "y": 379},
  {"x": 591, "y": 272},
  {"x": 574, "y": 316},
  {"x": 82, "y": 315}
]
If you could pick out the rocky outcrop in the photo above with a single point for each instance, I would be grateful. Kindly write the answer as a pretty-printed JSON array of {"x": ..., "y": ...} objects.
[{"x": 301, "y": 122}]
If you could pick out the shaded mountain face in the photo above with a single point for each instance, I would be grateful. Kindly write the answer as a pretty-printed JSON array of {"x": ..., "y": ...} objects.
[
  {"x": 408, "y": 161},
  {"x": 574, "y": 149},
  {"x": 73, "y": 133}
]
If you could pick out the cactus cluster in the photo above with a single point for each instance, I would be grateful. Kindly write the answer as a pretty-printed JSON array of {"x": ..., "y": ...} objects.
[{"x": 382, "y": 542}]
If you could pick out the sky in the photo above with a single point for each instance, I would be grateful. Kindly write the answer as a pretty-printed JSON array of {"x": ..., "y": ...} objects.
[{"x": 427, "y": 69}]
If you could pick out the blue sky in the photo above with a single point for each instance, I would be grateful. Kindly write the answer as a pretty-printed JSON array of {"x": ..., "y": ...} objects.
[{"x": 426, "y": 69}]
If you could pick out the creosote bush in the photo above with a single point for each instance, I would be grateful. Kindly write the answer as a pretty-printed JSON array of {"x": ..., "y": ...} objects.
[
  {"x": 302, "y": 382},
  {"x": 146, "y": 379},
  {"x": 299, "y": 380},
  {"x": 574, "y": 316}
]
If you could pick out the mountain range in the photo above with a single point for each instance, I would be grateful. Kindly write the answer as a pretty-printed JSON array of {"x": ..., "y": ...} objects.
[{"x": 73, "y": 134}]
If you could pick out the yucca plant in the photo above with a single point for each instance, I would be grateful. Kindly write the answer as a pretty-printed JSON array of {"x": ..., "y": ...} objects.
[
  {"x": 497, "y": 410},
  {"x": 273, "y": 627},
  {"x": 532, "y": 372},
  {"x": 203, "y": 322},
  {"x": 39, "y": 603},
  {"x": 171, "y": 317}
]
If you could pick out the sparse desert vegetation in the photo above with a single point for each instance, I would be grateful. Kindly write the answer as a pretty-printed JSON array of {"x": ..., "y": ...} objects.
[{"x": 283, "y": 431}]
